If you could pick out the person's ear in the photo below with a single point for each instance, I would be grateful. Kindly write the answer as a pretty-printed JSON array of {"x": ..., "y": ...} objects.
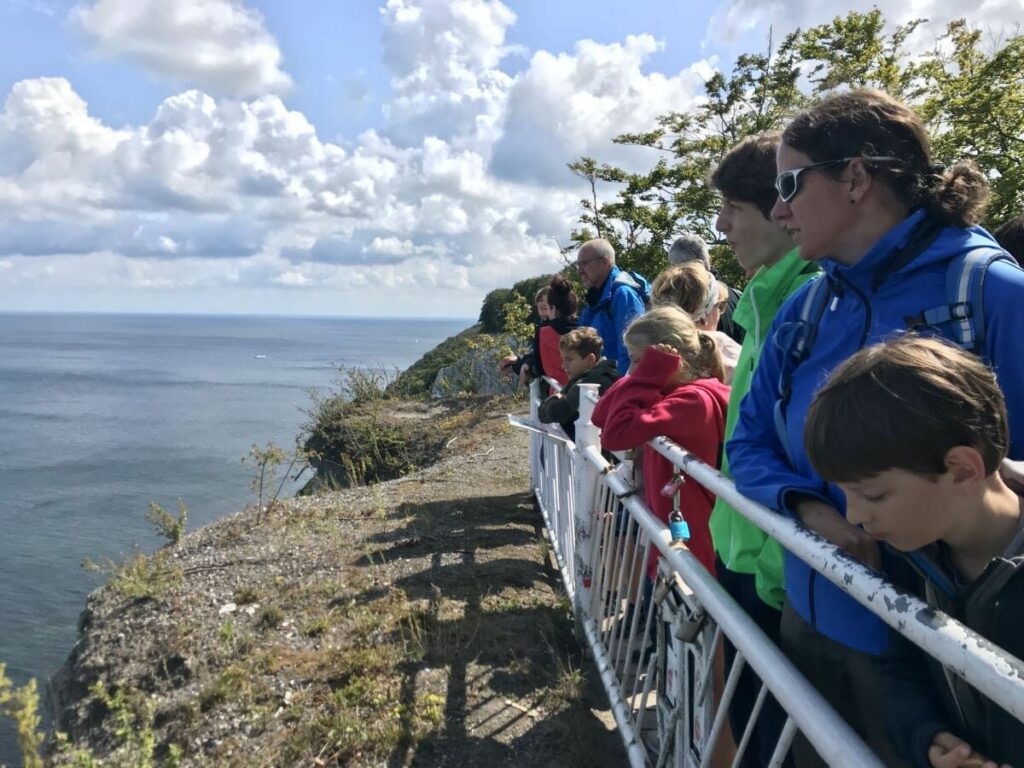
[
  {"x": 965, "y": 466},
  {"x": 860, "y": 180},
  {"x": 592, "y": 359}
]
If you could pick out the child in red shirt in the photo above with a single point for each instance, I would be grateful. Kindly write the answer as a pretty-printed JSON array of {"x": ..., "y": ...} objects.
[{"x": 674, "y": 388}]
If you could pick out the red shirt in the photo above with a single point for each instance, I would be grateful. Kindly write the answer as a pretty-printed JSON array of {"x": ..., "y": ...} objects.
[
  {"x": 643, "y": 405},
  {"x": 550, "y": 356}
]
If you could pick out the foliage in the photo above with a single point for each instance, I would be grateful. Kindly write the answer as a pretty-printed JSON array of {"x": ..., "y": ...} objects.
[
  {"x": 266, "y": 461},
  {"x": 972, "y": 100},
  {"x": 351, "y": 445},
  {"x": 517, "y": 319},
  {"x": 492, "y": 311},
  {"x": 139, "y": 576},
  {"x": 133, "y": 717},
  {"x": 171, "y": 528},
  {"x": 22, "y": 706},
  {"x": 132, "y": 714},
  {"x": 364, "y": 385},
  {"x": 415, "y": 381}
]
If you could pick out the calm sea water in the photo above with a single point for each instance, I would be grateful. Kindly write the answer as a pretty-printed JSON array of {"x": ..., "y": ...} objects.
[{"x": 100, "y": 414}]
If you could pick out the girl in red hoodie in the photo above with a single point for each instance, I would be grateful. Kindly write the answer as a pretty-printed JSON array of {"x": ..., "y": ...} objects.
[{"x": 674, "y": 388}]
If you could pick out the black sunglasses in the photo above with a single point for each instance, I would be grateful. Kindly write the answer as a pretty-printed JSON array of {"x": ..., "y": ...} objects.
[{"x": 788, "y": 182}]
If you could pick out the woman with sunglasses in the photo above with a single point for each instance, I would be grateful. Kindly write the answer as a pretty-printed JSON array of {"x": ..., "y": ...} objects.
[{"x": 860, "y": 194}]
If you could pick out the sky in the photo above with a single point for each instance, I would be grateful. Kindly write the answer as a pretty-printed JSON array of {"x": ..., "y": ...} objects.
[{"x": 337, "y": 157}]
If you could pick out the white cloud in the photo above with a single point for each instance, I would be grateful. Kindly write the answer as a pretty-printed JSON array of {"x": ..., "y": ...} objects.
[
  {"x": 292, "y": 278},
  {"x": 445, "y": 56},
  {"x": 565, "y": 106},
  {"x": 463, "y": 189},
  {"x": 390, "y": 246},
  {"x": 216, "y": 44}
]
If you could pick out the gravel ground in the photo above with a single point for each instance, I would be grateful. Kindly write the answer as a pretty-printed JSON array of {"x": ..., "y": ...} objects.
[{"x": 418, "y": 621}]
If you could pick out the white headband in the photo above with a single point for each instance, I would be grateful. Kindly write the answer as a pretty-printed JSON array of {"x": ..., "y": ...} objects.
[{"x": 710, "y": 301}]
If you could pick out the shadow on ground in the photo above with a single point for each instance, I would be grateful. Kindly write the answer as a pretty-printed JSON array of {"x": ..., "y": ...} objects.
[{"x": 496, "y": 639}]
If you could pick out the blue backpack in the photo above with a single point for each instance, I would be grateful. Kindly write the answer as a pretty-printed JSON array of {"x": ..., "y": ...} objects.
[{"x": 961, "y": 320}]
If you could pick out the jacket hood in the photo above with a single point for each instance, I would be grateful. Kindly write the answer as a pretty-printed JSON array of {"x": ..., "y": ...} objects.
[
  {"x": 561, "y": 324},
  {"x": 604, "y": 370},
  {"x": 597, "y": 296},
  {"x": 940, "y": 245},
  {"x": 717, "y": 389}
]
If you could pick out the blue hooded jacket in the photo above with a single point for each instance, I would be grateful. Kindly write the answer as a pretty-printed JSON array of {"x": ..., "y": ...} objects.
[
  {"x": 860, "y": 313},
  {"x": 620, "y": 300}
]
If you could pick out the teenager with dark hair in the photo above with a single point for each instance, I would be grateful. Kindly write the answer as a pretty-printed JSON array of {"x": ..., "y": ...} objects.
[{"x": 750, "y": 563}]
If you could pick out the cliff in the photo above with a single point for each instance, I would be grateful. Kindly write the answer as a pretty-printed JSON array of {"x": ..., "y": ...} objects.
[{"x": 417, "y": 621}]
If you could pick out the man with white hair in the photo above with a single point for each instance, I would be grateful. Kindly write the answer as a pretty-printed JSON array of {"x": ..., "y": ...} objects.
[
  {"x": 614, "y": 297},
  {"x": 691, "y": 247}
]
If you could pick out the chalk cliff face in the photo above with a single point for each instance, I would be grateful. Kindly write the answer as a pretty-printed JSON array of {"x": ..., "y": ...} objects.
[{"x": 412, "y": 621}]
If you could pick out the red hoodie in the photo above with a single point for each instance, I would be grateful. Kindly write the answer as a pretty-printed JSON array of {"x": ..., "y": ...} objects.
[{"x": 643, "y": 405}]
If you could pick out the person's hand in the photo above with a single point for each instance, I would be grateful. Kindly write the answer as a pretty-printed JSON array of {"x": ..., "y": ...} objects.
[
  {"x": 948, "y": 751},
  {"x": 505, "y": 366},
  {"x": 826, "y": 521},
  {"x": 665, "y": 348},
  {"x": 524, "y": 377}
]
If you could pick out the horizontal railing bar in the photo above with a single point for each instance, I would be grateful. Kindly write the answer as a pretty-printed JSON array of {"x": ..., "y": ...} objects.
[
  {"x": 833, "y": 738},
  {"x": 994, "y": 672}
]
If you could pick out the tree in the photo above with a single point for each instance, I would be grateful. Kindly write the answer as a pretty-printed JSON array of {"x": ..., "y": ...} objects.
[{"x": 971, "y": 99}]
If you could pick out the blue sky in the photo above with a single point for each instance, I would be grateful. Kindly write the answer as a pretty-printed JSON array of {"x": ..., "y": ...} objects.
[{"x": 312, "y": 157}]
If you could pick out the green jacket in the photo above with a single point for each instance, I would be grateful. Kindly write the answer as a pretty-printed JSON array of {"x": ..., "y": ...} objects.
[{"x": 742, "y": 546}]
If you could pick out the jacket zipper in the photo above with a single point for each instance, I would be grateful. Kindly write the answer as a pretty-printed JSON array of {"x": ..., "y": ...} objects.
[{"x": 757, "y": 328}]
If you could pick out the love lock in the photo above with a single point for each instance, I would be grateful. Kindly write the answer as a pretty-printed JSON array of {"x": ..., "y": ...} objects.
[{"x": 688, "y": 629}]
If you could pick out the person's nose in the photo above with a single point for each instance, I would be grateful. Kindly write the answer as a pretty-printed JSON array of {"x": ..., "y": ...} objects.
[
  {"x": 855, "y": 513},
  {"x": 722, "y": 223},
  {"x": 781, "y": 211}
]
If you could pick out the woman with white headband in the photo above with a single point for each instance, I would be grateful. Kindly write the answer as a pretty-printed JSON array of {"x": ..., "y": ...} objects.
[{"x": 695, "y": 290}]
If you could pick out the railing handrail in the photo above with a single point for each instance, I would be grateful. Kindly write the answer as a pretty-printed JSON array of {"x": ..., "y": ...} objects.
[
  {"x": 990, "y": 669},
  {"x": 831, "y": 736}
]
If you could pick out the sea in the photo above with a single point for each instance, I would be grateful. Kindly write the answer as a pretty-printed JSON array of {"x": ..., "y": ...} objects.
[{"x": 102, "y": 414}]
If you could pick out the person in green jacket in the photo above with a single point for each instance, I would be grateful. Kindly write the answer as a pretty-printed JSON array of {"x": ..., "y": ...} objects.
[{"x": 749, "y": 563}]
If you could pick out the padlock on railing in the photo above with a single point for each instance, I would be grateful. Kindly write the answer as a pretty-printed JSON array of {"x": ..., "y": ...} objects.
[{"x": 677, "y": 525}]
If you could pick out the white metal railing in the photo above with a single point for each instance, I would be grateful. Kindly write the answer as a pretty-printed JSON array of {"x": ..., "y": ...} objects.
[{"x": 601, "y": 533}]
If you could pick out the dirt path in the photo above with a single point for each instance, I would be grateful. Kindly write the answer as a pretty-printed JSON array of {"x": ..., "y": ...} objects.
[{"x": 417, "y": 622}]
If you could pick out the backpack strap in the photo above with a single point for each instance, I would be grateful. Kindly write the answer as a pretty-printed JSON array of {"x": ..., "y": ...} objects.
[
  {"x": 799, "y": 339},
  {"x": 962, "y": 318}
]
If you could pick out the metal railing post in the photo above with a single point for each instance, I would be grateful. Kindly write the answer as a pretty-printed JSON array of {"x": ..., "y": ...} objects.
[
  {"x": 586, "y": 480},
  {"x": 535, "y": 440}
]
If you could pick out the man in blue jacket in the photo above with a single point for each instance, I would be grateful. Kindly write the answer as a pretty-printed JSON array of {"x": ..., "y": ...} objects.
[{"x": 614, "y": 297}]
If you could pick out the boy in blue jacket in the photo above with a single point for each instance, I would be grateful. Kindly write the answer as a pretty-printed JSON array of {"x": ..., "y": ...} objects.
[{"x": 913, "y": 431}]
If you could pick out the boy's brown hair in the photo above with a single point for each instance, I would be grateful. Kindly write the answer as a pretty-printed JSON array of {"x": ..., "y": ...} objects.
[
  {"x": 582, "y": 341},
  {"x": 747, "y": 172},
  {"x": 902, "y": 405}
]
